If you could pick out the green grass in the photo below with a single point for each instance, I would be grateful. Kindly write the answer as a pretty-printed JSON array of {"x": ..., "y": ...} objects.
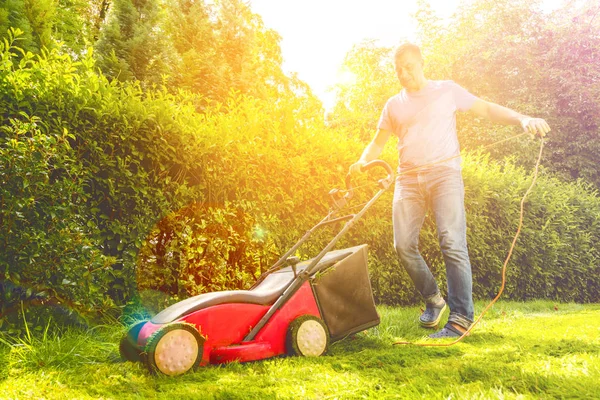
[{"x": 519, "y": 351}]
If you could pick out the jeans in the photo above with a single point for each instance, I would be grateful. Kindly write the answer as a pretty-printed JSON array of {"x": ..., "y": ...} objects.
[{"x": 441, "y": 190}]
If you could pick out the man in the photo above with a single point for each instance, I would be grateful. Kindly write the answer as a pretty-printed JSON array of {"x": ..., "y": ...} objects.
[{"x": 423, "y": 117}]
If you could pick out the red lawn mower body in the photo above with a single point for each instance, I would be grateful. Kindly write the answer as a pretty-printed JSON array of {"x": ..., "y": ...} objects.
[
  {"x": 224, "y": 326},
  {"x": 294, "y": 308}
]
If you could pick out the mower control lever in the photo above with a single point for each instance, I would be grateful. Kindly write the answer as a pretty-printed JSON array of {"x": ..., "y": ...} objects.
[
  {"x": 292, "y": 261},
  {"x": 338, "y": 198}
]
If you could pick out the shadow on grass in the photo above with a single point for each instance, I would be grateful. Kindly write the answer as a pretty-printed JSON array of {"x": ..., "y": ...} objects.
[{"x": 370, "y": 347}]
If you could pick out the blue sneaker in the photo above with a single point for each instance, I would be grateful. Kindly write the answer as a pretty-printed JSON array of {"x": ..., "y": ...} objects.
[{"x": 432, "y": 315}]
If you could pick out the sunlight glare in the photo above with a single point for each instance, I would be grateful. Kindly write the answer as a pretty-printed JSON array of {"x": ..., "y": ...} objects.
[
  {"x": 316, "y": 35},
  {"x": 345, "y": 77}
]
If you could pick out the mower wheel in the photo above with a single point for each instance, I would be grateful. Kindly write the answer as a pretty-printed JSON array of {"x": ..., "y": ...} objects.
[
  {"x": 307, "y": 336},
  {"x": 128, "y": 346},
  {"x": 174, "y": 349}
]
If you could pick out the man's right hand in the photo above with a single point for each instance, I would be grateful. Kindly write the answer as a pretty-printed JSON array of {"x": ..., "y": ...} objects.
[
  {"x": 535, "y": 126},
  {"x": 354, "y": 168}
]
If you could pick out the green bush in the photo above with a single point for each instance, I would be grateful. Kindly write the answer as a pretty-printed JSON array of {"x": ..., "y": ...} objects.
[
  {"x": 46, "y": 246},
  {"x": 122, "y": 168},
  {"x": 556, "y": 256},
  {"x": 115, "y": 189},
  {"x": 200, "y": 249}
]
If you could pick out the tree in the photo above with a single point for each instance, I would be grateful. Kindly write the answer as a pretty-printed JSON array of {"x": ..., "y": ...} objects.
[
  {"x": 570, "y": 73},
  {"x": 372, "y": 82},
  {"x": 96, "y": 15},
  {"x": 511, "y": 53},
  {"x": 198, "y": 63},
  {"x": 224, "y": 48},
  {"x": 543, "y": 65},
  {"x": 35, "y": 18},
  {"x": 132, "y": 43},
  {"x": 74, "y": 24}
]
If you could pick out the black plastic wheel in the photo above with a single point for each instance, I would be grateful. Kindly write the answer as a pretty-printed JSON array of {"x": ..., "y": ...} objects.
[
  {"x": 174, "y": 349},
  {"x": 307, "y": 336},
  {"x": 128, "y": 347}
]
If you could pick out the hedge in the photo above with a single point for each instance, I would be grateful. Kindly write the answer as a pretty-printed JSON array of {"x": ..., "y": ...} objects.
[{"x": 109, "y": 191}]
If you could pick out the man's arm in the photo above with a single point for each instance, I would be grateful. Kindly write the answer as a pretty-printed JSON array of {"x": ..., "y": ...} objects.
[
  {"x": 506, "y": 116},
  {"x": 372, "y": 151}
]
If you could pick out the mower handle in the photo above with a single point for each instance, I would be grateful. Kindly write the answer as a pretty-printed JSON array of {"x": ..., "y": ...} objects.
[
  {"x": 339, "y": 202},
  {"x": 384, "y": 183}
]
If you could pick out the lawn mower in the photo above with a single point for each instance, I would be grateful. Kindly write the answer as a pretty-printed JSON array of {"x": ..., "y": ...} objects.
[{"x": 295, "y": 308}]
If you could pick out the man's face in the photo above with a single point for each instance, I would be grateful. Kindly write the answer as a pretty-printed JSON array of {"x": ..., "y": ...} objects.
[{"x": 409, "y": 69}]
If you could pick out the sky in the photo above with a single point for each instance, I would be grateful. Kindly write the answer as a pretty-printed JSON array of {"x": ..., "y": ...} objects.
[{"x": 317, "y": 34}]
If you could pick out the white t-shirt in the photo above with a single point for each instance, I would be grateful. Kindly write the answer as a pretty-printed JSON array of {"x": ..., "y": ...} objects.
[{"x": 425, "y": 124}]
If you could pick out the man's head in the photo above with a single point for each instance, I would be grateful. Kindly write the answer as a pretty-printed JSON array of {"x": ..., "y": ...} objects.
[{"x": 409, "y": 67}]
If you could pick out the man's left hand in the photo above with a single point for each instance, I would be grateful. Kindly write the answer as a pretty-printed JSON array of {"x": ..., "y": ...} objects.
[{"x": 535, "y": 126}]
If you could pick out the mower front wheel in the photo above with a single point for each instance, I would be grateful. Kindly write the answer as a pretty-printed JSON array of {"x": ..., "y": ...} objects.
[
  {"x": 174, "y": 349},
  {"x": 307, "y": 336}
]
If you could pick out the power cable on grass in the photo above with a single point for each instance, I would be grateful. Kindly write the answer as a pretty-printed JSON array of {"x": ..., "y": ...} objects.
[{"x": 466, "y": 333}]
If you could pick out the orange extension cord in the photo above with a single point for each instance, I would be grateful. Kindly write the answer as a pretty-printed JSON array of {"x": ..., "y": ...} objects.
[{"x": 485, "y": 310}]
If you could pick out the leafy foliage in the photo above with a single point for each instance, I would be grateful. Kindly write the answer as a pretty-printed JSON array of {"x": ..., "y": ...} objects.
[
  {"x": 32, "y": 18},
  {"x": 223, "y": 47},
  {"x": 46, "y": 249},
  {"x": 115, "y": 189},
  {"x": 75, "y": 23},
  {"x": 549, "y": 68},
  {"x": 142, "y": 156},
  {"x": 540, "y": 64},
  {"x": 197, "y": 250},
  {"x": 46, "y": 23},
  {"x": 131, "y": 44},
  {"x": 361, "y": 99},
  {"x": 103, "y": 174}
]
